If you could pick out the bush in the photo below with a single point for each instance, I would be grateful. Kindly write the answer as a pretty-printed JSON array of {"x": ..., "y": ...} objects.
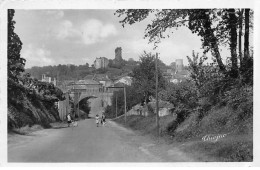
[
  {"x": 109, "y": 112},
  {"x": 182, "y": 95},
  {"x": 241, "y": 99}
]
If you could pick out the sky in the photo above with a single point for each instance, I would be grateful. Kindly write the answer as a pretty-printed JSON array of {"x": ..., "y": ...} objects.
[{"x": 52, "y": 37}]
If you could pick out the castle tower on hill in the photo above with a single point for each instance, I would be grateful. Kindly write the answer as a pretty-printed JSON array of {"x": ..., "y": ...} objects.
[{"x": 118, "y": 54}]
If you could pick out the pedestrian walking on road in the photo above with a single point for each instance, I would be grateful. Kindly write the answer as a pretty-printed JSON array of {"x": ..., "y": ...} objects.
[
  {"x": 103, "y": 118},
  {"x": 69, "y": 119},
  {"x": 97, "y": 120}
]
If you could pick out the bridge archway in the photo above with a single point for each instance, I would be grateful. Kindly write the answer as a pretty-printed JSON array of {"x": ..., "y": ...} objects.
[{"x": 97, "y": 92}]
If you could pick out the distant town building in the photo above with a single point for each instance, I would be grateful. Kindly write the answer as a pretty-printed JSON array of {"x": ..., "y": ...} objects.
[
  {"x": 179, "y": 65},
  {"x": 176, "y": 73},
  {"x": 101, "y": 62},
  {"x": 127, "y": 80},
  {"x": 103, "y": 79},
  {"x": 48, "y": 79}
]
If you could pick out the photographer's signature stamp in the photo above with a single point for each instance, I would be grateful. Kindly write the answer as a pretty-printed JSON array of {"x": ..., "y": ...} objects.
[{"x": 213, "y": 138}]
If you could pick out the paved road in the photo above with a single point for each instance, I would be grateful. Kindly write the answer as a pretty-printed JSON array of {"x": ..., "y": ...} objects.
[{"x": 88, "y": 143}]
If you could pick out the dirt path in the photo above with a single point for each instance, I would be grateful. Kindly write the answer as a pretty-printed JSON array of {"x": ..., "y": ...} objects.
[{"x": 88, "y": 143}]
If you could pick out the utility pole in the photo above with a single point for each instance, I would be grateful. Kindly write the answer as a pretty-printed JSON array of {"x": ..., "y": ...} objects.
[
  {"x": 156, "y": 92},
  {"x": 78, "y": 105},
  {"x": 124, "y": 97},
  {"x": 116, "y": 104},
  {"x": 125, "y": 102}
]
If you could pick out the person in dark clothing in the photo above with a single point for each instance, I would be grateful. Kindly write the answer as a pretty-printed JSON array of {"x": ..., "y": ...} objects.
[{"x": 103, "y": 118}]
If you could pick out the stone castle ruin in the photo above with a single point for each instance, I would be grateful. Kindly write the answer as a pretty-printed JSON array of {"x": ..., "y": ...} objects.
[
  {"x": 118, "y": 54},
  {"x": 102, "y": 62},
  {"x": 177, "y": 66}
]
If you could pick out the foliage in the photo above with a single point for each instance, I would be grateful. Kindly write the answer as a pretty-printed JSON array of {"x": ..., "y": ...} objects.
[
  {"x": 217, "y": 89},
  {"x": 206, "y": 77},
  {"x": 132, "y": 98},
  {"x": 61, "y": 72},
  {"x": 184, "y": 98},
  {"x": 116, "y": 64},
  {"x": 29, "y": 100},
  {"x": 241, "y": 99},
  {"x": 214, "y": 26},
  {"x": 247, "y": 71},
  {"x": 182, "y": 95},
  {"x": 84, "y": 106},
  {"x": 101, "y": 70},
  {"x": 142, "y": 88},
  {"x": 144, "y": 79},
  {"x": 110, "y": 112},
  {"x": 211, "y": 88},
  {"x": 47, "y": 90},
  {"x": 15, "y": 62},
  {"x": 73, "y": 72},
  {"x": 199, "y": 21}
]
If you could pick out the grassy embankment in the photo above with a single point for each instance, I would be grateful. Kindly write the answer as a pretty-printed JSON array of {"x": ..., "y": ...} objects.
[{"x": 237, "y": 145}]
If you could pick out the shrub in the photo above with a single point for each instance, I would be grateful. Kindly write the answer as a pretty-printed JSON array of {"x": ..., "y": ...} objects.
[
  {"x": 182, "y": 95},
  {"x": 109, "y": 112},
  {"x": 241, "y": 99}
]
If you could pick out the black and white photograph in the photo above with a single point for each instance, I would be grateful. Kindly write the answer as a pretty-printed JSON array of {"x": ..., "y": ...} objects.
[{"x": 95, "y": 82}]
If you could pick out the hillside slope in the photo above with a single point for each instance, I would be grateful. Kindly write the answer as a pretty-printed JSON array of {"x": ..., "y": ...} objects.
[
  {"x": 29, "y": 109},
  {"x": 236, "y": 145}
]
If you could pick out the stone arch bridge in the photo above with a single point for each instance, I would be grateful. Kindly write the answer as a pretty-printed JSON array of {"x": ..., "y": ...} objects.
[{"x": 82, "y": 90}]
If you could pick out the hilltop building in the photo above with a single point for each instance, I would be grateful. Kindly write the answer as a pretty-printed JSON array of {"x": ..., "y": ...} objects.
[
  {"x": 48, "y": 79},
  {"x": 176, "y": 73},
  {"x": 179, "y": 65},
  {"x": 101, "y": 62}
]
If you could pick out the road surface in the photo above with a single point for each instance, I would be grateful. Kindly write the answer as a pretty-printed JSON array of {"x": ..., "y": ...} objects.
[{"x": 88, "y": 143}]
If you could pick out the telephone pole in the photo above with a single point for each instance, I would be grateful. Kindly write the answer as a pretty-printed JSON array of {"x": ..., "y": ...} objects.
[
  {"x": 125, "y": 102},
  {"x": 116, "y": 104},
  {"x": 156, "y": 92},
  {"x": 78, "y": 105},
  {"x": 124, "y": 97}
]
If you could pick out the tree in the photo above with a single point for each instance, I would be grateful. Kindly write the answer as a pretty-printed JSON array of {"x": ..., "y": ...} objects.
[
  {"x": 84, "y": 105},
  {"x": 240, "y": 34},
  {"x": 15, "y": 62},
  {"x": 247, "y": 61},
  {"x": 132, "y": 98},
  {"x": 232, "y": 26},
  {"x": 199, "y": 21},
  {"x": 144, "y": 77},
  {"x": 246, "y": 36}
]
